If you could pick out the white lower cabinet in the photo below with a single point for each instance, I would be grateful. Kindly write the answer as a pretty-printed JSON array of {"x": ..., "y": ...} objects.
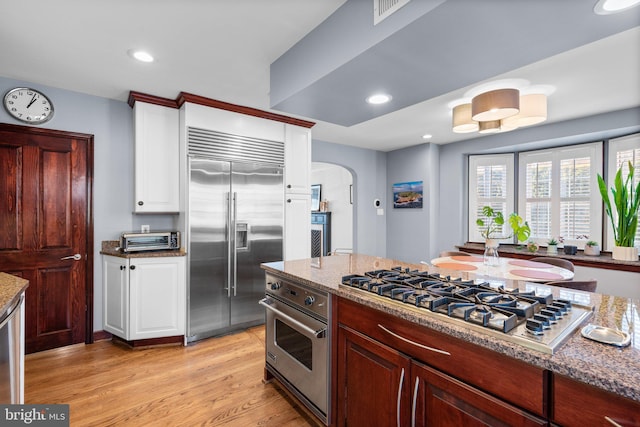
[{"x": 144, "y": 297}]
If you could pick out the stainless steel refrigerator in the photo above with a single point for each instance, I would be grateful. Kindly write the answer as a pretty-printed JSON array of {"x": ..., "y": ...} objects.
[{"x": 235, "y": 222}]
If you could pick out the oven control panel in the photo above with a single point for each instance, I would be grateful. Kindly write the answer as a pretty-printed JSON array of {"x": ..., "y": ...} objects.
[{"x": 297, "y": 295}]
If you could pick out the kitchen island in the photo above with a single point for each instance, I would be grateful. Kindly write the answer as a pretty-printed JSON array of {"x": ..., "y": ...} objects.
[{"x": 582, "y": 379}]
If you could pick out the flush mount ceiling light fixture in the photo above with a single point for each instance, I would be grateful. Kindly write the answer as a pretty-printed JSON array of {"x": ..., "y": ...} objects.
[
  {"x": 531, "y": 110},
  {"x": 607, "y": 7},
  {"x": 495, "y": 105},
  {"x": 379, "y": 98},
  {"x": 140, "y": 55}
]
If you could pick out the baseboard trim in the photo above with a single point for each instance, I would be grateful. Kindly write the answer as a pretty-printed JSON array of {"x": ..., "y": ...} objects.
[
  {"x": 101, "y": 336},
  {"x": 149, "y": 342}
]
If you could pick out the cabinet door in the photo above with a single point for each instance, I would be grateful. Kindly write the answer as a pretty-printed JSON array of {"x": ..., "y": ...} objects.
[
  {"x": 157, "y": 177},
  {"x": 579, "y": 404},
  {"x": 115, "y": 280},
  {"x": 440, "y": 400},
  {"x": 297, "y": 226},
  {"x": 157, "y": 297},
  {"x": 297, "y": 160},
  {"x": 373, "y": 382}
]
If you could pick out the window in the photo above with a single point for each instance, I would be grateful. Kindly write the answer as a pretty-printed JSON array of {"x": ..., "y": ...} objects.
[
  {"x": 491, "y": 183},
  {"x": 558, "y": 193},
  {"x": 621, "y": 151}
]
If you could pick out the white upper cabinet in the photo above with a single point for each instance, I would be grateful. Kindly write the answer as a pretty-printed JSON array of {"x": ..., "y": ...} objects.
[
  {"x": 297, "y": 159},
  {"x": 157, "y": 174}
]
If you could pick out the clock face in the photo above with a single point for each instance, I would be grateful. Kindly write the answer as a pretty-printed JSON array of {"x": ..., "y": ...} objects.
[{"x": 28, "y": 105}]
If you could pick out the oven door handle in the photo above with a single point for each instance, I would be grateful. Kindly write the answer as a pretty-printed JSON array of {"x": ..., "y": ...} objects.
[{"x": 321, "y": 333}]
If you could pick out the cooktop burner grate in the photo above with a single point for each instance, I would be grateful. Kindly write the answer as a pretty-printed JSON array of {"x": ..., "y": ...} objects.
[{"x": 536, "y": 321}]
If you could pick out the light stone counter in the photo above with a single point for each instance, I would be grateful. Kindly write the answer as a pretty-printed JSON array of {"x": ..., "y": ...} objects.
[
  {"x": 10, "y": 289},
  {"x": 613, "y": 369}
]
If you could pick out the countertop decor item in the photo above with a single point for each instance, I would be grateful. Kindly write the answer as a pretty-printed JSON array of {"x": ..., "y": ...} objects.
[
  {"x": 592, "y": 248},
  {"x": 532, "y": 247},
  {"x": 552, "y": 246},
  {"x": 626, "y": 200}
]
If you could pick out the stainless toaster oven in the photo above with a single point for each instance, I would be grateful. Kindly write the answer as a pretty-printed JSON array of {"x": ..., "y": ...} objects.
[{"x": 156, "y": 241}]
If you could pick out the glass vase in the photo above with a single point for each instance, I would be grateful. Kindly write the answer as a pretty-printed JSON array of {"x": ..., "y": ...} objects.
[{"x": 491, "y": 257}]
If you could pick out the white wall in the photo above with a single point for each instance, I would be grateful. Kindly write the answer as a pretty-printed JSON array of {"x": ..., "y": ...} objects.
[{"x": 335, "y": 181}]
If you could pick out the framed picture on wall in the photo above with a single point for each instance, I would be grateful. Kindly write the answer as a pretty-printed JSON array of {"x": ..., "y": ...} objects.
[
  {"x": 407, "y": 194},
  {"x": 315, "y": 197}
]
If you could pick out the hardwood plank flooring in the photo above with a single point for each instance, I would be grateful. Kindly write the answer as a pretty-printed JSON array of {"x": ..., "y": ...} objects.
[{"x": 214, "y": 382}]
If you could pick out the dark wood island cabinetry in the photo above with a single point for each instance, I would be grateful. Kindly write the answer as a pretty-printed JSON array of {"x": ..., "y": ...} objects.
[
  {"x": 394, "y": 364},
  {"x": 381, "y": 358}
]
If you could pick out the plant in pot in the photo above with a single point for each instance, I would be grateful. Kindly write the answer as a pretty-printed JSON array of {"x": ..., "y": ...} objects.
[
  {"x": 552, "y": 246},
  {"x": 626, "y": 200},
  {"x": 492, "y": 225},
  {"x": 592, "y": 248}
]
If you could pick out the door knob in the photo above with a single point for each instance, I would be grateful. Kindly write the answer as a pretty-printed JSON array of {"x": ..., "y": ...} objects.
[{"x": 76, "y": 257}]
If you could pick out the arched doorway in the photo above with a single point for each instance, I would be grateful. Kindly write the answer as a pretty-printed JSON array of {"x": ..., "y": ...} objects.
[{"x": 337, "y": 190}]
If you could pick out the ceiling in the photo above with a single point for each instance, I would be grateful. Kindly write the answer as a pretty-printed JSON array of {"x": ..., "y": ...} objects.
[{"x": 301, "y": 58}]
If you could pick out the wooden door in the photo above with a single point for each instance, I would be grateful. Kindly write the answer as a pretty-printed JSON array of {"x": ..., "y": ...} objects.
[
  {"x": 373, "y": 382},
  {"x": 442, "y": 401},
  {"x": 45, "y": 189}
]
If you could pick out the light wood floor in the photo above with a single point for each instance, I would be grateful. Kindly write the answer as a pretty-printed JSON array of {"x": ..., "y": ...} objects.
[{"x": 212, "y": 382}]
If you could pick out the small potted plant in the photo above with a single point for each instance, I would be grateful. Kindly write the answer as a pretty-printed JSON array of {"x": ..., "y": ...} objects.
[
  {"x": 552, "y": 246},
  {"x": 532, "y": 247},
  {"x": 592, "y": 248}
]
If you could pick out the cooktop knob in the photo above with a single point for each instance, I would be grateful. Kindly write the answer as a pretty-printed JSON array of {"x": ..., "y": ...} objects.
[
  {"x": 309, "y": 300},
  {"x": 275, "y": 285}
]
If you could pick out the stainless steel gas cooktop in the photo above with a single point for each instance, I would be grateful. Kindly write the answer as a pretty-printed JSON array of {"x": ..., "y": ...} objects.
[{"x": 536, "y": 321}]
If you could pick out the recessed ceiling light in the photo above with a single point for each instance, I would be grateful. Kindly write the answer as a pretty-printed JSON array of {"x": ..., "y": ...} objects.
[
  {"x": 140, "y": 55},
  {"x": 427, "y": 136},
  {"x": 379, "y": 98},
  {"x": 606, "y": 7}
]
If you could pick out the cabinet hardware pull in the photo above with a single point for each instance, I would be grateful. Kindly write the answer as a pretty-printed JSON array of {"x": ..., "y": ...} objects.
[
  {"x": 413, "y": 342},
  {"x": 399, "y": 396},
  {"x": 75, "y": 257},
  {"x": 288, "y": 200},
  {"x": 133, "y": 267},
  {"x": 140, "y": 203},
  {"x": 288, "y": 185},
  {"x": 122, "y": 267},
  {"x": 321, "y": 333},
  {"x": 415, "y": 400},
  {"x": 613, "y": 423}
]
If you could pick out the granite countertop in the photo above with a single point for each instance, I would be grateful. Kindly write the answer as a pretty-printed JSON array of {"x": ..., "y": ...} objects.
[
  {"x": 611, "y": 368},
  {"x": 11, "y": 287},
  {"x": 111, "y": 247}
]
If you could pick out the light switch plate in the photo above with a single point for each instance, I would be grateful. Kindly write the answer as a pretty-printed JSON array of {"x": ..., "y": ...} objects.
[{"x": 380, "y": 211}]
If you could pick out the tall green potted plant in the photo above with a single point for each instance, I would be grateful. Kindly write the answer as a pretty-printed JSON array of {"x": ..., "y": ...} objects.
[{"x": 626, "y": 200}]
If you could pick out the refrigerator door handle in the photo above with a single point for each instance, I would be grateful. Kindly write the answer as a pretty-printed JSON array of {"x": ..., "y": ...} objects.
[
  {"x": 229, "y": 223},
  {"x": 235, "y": 242}
]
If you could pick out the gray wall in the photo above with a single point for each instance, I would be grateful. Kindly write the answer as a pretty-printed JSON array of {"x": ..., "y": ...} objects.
[
  {"x": 111, "y": 124},
  {"x": 410, "y": 231},
  {"x": 369, "y": 171}
]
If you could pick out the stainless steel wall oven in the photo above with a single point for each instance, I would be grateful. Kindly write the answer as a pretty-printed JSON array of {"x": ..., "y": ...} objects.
[{"x": 298, "y": 342}]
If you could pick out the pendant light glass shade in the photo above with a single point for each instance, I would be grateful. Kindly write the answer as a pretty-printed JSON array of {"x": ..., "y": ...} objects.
[
  {"x": 495, "y": 105},
  {"x": 533, "y": 110},
  {"x": 462, "y": 122},
  {"x": 491, "y": 126}
]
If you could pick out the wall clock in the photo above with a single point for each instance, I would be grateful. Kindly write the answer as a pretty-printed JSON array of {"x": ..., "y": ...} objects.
[{"x": 28, "y": 105}]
